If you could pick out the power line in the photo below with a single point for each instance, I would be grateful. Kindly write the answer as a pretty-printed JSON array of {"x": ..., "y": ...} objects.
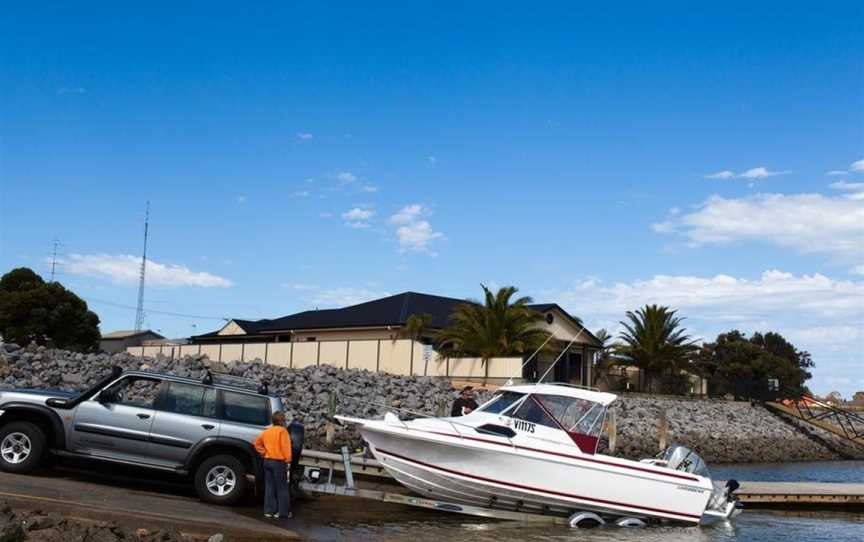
[{"x": 154, "y": 311}]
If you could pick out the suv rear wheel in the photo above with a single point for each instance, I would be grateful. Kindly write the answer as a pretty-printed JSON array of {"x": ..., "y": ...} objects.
[
  {"x": 221, "y": 479},
  {"x": 22, "y": 446}
]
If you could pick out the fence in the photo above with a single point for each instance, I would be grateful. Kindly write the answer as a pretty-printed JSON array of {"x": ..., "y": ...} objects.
[{"x": 400, "y": 356}]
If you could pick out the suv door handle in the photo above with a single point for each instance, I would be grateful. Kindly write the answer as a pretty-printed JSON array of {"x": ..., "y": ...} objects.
[
  {"x": 144, "y": 416},
  {"x": 207, "y": 426}
]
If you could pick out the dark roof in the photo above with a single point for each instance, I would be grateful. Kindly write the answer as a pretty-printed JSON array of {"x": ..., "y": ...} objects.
[
  {"x": 388, "y": 311},
  {"x": 127, "y": 333}
]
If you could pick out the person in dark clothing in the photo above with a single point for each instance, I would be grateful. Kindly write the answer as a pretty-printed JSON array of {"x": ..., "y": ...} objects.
[{"x": 465, "y": 403}]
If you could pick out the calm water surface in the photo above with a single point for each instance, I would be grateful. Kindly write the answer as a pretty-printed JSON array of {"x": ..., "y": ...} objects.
[{"x": 353, "y": 520}]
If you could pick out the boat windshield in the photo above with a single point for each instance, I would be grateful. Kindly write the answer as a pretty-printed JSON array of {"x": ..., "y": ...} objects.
[
  {"x": 501, "y": 402},
  {"x": 581, "y": 419}
]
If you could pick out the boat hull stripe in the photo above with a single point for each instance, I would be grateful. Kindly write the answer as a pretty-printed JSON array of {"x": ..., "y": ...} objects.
[
  {"x": 691, "y": 517},
  {"x": 559, "y": 454}
]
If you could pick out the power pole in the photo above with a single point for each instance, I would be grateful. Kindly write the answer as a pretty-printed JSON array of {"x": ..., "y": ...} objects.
[
  {"x": 139, "y": 313},
  {"x": 54, "y": 254}
]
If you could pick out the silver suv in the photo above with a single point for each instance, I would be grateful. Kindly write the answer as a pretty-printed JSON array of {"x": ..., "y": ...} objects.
[{"x": 204, "y": 429}]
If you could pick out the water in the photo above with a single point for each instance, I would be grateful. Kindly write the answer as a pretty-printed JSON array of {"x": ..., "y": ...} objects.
[
  {"x": 348, "y": 520},
  {"x": 799, "y": 471}
]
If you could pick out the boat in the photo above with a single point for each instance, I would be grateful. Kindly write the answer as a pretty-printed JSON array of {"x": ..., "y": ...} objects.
[{"x": 534, "y": 448}]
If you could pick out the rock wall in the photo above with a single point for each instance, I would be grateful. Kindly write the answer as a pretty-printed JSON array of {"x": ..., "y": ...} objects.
[{"x": 720, "y": 431}]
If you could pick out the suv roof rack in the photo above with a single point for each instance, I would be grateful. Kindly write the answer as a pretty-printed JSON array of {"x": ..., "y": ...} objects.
[{"x": 216, "y": 378}]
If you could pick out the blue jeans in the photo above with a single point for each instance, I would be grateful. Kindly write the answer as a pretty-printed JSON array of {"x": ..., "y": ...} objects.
[{"x": 277, "y": 496}]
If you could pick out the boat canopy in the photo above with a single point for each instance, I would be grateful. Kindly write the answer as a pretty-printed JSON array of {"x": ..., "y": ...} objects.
[
  {"x": 576, "y": 411},
  {"x": 565, "y": 390}
]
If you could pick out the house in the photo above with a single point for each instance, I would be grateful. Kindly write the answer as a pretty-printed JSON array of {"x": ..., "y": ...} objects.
[
  {"x": 386, "y": 319},
  {"x": 118, "y": 341}
]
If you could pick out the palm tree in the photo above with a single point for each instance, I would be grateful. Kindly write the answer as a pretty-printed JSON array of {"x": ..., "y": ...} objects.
[
  {"x": 655, "y": 341},
  {"x": 498, "y": 326},
  {"x": 417, "y": 325},
  {"x": 604, "y": 358}
]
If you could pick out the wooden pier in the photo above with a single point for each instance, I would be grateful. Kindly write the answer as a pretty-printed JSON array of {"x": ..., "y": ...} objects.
[{"x": 802, "y": 494}]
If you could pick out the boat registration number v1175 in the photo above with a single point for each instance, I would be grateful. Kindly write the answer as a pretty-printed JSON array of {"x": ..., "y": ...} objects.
[{"x": 523, "y": 426}]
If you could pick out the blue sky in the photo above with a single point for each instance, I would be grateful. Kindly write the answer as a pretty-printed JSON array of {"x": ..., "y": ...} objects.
[{"x": 300, "y": 154}]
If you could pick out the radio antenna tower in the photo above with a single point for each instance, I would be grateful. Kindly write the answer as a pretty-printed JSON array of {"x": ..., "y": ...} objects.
[
  {"x": 56, "y": 242},
  {"x": 139, "y": 313}
]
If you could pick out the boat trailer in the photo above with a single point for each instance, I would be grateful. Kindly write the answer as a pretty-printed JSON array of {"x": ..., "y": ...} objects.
[{"x": 326, "y": 473}]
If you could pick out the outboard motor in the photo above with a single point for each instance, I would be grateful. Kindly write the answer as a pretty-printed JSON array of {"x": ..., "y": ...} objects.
[{"x": 298, "y": 435}]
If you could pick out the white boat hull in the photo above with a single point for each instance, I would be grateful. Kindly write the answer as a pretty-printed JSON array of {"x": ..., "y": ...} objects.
[{"x": 485, "y": 472}]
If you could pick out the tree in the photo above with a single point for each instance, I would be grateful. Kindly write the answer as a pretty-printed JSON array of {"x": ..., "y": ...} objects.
[
  {"x": 417, "y": 325},
  {"x": 45, "y": 313},
  {"x": 655, "y": 341},
  {"x": 604, "y": 358},
  {"x": 496, "y": 327},
  {"x": 740, "y": 360}
]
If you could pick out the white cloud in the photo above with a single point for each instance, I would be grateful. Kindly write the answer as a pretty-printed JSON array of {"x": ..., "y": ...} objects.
[
  {"x": 301, "y": 194},
  {"x": 808, "y": 223},
  {"x": 346, "y": 177},
  {"x": 413, "y": 232},
  {"x": 817, "y": 313},
  {"x": 760, "y": 173},
  {"x": 407, "y": 214},
  {"x": 304, "y": 135},
  {"x": 855, "y": 167},
  {"x": 369, "y": 188},
  {"x": 725, "y": 174},
  {"x": 723, "y": 296},
  {"x": 358, "y": 217},
  {"x": 124, "y": 269},
  {"x": 845, "y": 185},
  {"x": 320, "y": 297}
]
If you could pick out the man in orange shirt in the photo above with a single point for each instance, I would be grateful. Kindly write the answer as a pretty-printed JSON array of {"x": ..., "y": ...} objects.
[{"x": 274, "y": 445}]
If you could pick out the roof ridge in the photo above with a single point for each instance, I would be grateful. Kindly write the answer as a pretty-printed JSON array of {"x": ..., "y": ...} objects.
[{"x": 402, "y": 314}]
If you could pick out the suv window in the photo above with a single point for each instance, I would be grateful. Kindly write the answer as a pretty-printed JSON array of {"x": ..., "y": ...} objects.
[
  {"x": 245, "y": 408},
  {"x": 189, "y": 399},
  {"x": 134, "y": 391}
]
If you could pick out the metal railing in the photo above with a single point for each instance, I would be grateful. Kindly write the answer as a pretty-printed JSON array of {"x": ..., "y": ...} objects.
[{"x": 810, "y": 409}]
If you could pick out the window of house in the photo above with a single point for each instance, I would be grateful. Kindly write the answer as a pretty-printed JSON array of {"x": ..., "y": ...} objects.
[{"x": 310, "y": 339}]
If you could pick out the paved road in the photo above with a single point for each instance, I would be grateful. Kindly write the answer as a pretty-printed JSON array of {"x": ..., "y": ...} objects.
[{"x": 139, "y": 499}]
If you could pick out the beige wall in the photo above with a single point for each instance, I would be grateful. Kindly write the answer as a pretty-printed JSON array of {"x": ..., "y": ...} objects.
[
  {"x": 391, "y": 356},
  {"x": 279, "y": 354},
  {"x": 231, "y": 328},
  {"x": 363, "y": 355},
  {"x": 254, "y": 351},
  {"x": 334, "y": 353}
]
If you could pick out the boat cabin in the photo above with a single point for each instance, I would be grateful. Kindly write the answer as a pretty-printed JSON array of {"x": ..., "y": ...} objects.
[{"x": 555, "y": 413}]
